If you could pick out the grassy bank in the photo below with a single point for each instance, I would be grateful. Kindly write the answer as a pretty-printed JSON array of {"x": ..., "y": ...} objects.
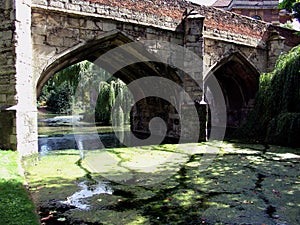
[{"x": 16, "y": 207}]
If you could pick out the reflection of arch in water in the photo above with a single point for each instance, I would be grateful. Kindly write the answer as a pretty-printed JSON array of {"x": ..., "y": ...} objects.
[{"x": 239, "y": 81}]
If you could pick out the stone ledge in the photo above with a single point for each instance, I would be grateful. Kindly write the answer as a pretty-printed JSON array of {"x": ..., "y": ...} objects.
[
  {"x": 252, "y": 43},
  {"x": 127, "y": 16}
]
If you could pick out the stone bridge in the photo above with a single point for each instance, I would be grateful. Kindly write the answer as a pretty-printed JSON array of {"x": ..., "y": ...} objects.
[{"x": 41, "y": 37}]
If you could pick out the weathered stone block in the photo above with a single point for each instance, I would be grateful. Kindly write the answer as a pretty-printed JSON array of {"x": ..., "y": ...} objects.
[
  {"x": 178, "y": 41},
  {"x": 7, "y": 35},
  {"x": 89, "y": 34},
  {"x": 114, "y": 12},
  {"x": 101, "y": 10},
  {"x": 13, "y": 139},
  {"x": 88, "y": 9},
  {"x": 54, "y": 21},
  {"x": 40, "y": 2},
  {"x": 39, "y": 39},
  {"x": 53, "y": 40},
  {"x": 73, "y": 7},
  {"x": 150, "y": 36},
  {"x": 11, "y": 99},
  {"x": 3, "y": 98},
  {"x": 7, "y": 118},
  {"x": 79, "y": 2},
  {"x": 90, "y": 25},
  {"x": 109, "y": 26},
  {"x": 71, "y": 22},
  {"x": 69, "y": 42},
  {"x": 74, "y": 33},
  {"x": 57, "y": 4},
  {"x": 39, "y": 30}
]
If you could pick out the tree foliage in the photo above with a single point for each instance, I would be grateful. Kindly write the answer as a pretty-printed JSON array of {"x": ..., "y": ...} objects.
[
  {"x": 292, "y": 6},
  {"x": 276, "y": 114},
  {"x": 59, "y": 92},
  {"x": 60, "y": 100},
  {"x": 106, "y": 102}
]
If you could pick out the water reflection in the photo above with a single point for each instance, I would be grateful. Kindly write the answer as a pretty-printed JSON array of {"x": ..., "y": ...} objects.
[
  {"x": 78, "y": 198},
  {"x": 82, "y": 142},
  {"x": 56, "y": 133},
  {"x": 44, "y": 149}
]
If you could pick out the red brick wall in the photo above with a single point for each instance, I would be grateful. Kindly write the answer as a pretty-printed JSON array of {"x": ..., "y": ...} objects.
[{"x": 268, "y": 15}]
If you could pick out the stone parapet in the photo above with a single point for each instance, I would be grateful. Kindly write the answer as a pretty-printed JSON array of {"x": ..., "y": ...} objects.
[{"x": 116, "y": 10}]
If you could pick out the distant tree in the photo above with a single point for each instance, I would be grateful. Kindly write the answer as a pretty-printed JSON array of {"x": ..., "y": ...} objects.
[
  {"x": 292, "y": 6},
  {"x": 108, "y": 92}
]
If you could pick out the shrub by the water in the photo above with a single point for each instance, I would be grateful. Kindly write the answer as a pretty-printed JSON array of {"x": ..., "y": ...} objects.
[
  {"x": 276, "y": 115},
  {"x": 61, "y": 100}
]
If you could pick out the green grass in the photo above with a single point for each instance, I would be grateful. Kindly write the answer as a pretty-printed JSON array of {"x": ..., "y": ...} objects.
[{"x": 16, "y": 207}]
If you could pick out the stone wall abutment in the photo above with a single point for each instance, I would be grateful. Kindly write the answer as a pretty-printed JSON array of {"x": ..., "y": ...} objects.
[{"x": 18, "y": 118}]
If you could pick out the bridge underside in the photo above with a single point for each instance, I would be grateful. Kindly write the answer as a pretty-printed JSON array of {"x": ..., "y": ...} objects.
[
  {"x": 118, "y": 55},
  {"x": 239, "y": 82}
]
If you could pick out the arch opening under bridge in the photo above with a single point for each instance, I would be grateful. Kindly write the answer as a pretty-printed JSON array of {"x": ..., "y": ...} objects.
[{"x": 239, "y": 81}]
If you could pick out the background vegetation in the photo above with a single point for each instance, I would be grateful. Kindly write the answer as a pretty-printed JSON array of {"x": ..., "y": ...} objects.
[
  {"x": 276, "y": 115},
  {"x": 292, "y": 6},
  {"x": 103, "y": 90}
]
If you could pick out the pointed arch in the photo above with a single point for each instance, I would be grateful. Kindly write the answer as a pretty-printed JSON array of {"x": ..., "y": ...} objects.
[
  {"x": 129, "y": 63},
  {"x": 89, "y": 50},
  {"x": 239, "y": 81}
]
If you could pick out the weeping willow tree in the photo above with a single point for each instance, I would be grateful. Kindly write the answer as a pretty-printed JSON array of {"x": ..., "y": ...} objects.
[
  {"x": 59, "y": 92},
  {"x": 106, "y": 102},
  {"x": 276, "y": 115}
]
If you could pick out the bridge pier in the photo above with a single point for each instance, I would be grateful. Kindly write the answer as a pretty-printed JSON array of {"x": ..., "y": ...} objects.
[
  {"x": 193, "y": 40},
  {"x": 18, "y": 115}
]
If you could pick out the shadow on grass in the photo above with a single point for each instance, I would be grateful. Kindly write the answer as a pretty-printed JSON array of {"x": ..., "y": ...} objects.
[{"x": 16, "y": 207}]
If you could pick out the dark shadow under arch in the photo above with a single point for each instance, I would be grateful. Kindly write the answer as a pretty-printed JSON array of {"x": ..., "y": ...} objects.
[{"x": 239, "y": 81}]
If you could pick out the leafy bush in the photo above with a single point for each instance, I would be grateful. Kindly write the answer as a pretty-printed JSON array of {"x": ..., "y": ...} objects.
[{"x": 60, "y": 101}]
